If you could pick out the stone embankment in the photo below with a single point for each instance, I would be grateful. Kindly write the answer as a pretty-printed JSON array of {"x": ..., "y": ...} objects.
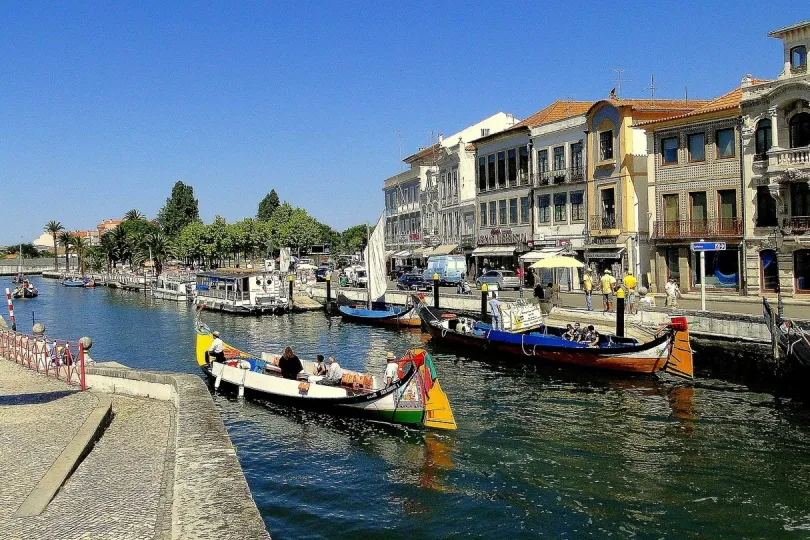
[{"x": 140, "y": 455}]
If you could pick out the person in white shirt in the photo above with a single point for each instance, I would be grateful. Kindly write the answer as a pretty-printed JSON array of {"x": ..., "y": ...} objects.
[
  {"x": 333, "y": 373},
  {"x": 216, "y": 350},
  {"x": 391, "y": 369}
]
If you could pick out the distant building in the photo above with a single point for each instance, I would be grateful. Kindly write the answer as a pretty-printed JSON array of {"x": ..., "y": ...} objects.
[
  {"x": 43, "y": 242},
  {"x": 107, "y": 225}
]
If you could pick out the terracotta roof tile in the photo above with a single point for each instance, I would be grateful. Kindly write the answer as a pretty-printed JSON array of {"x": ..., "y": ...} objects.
[
  {"x": 470, "y": 147},
  {"x": 661, "y": 104},
  {"x": 559, "y": 110},
  {"x": 423, "y": 153}
]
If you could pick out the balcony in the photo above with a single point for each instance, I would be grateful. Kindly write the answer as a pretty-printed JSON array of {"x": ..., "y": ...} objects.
[
  {"x": 796, "y": 224},
  {"x": 789, "y": 157},
  {"x": 562, "y": 176},
  {"x": 711, "y": 228},
  {"x": 605, "y": 222}
]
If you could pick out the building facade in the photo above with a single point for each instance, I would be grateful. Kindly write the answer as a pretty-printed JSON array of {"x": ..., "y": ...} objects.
[
  {"x": 619, "y": 219},
  {"x": 403, "y": 222},
  {"x": 776, "y": 171},
  {"x": 695, "y": 194}
]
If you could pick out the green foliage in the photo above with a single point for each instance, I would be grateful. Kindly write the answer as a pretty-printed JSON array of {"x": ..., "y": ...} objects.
[
  {"x": 96, "y": 258},
  {"x": 191, "y": 242},
  {"x": 54, "y": 228},
  {"x": 354, "y": 238},
  {"x": 80, "y": 247},
  {"x": 267, "y": 206},
  {"x": 181, "y": 208},
  {"x": 66, "y": 240},
  {"x": 28, "y": 250},
  {"x": 133, "y": 215},
  {"x": 155, "y": 247},
  {"x": 300, "y": 231}
]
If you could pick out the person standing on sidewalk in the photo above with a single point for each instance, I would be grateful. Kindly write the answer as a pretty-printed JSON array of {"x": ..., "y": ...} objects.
[
  {"x": 608, "y": 283},
  {"x": 587, "y": 284}
]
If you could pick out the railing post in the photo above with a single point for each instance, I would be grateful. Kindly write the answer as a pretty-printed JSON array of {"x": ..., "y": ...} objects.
[{"x": 82, "y": 381}]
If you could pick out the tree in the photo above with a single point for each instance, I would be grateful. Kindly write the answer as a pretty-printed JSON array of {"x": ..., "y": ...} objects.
[
  {"x": 54, "y": 228},
  {"x": 181, "y": 208},
  {"x": 156, "y": 247},
  {"x": 66, "y": 239},
  {"x": 29, "y": 251},
  {"x": 354, "y": 238},
  {"x": 133, "y": 215},
  {"x": 267, "y": 206},
  {"x": 300, "y": 231},
  {"x": 80, "y": 246},
  {"x": 191, "y": 242},
  {"x": 96, "y": 258}
]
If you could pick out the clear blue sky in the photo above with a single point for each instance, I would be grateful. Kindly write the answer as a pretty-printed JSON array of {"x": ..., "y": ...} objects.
[{"x": 103, "y": 107}]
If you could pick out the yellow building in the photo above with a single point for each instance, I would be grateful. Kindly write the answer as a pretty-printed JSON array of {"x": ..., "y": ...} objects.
[{"x": 619, "y": 222}]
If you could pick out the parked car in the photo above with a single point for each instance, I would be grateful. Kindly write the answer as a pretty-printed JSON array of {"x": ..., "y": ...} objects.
[
  {"x": 504, "y": 279},
  {"x": 413, "y": 282},
  {"x": 321, "y": 272},
  {"x": 399, "y": 270}
]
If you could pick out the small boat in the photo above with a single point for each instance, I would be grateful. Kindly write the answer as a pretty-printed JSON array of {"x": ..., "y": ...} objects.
[
  {"x": 792, "y": 339},
  {"x": 19, "y": 278},
  {"x": 73, "y": 283},
  {"x": 415, "y": 399},
  {"x": 394, "y": 316},
  {"x": 668, "y": 351},
  {"x": 90, "y": 283},
  {"x": 26, "y": 290}
]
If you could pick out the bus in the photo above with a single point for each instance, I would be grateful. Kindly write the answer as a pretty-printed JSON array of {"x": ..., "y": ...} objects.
[{"x": 451, "y": 268}]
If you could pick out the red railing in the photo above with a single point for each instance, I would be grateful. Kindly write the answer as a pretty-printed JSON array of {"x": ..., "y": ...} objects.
[{"x": 63, "y": 360}]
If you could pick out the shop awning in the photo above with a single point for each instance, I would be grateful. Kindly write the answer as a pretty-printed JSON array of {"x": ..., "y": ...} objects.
[
  {"x": 427, "y": 252},
  {"x": 540, "y": 254},
  {"x": 444, "y": 249},
  {"x": 416, "y": 254},
  {"x": 493, "y": 250},
  {"x": 608, "y": 253},
  {"x": 401, "y": 254}
]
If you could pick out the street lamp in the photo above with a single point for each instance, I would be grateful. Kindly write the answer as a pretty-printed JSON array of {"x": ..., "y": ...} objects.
[{"x": 778, "y": 238}]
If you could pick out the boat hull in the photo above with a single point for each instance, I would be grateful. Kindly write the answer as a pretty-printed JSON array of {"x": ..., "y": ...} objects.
[{"x": 407, "y": 318}]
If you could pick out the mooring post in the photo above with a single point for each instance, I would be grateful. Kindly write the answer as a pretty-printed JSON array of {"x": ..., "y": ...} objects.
[
  {"x": 328, "y": 290},
  {"x": 436, "y": 291},
  {"x": 291, "y": 280},
  {"x": 620, "y": 312},
  {"x": 483, "y": 301}
]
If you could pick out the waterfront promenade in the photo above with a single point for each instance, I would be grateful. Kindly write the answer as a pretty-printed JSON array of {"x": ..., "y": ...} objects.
[{"x": 162, "y": 466}]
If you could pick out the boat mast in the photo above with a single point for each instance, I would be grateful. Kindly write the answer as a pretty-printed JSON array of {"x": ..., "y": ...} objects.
[
  {"x": 20, "y": 263},
  {"x": 368, "y": 269}
]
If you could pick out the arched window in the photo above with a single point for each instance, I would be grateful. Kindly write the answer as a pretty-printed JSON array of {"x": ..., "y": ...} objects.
[
  {"x": 801, "y": 269},
  {"x": 763, "y": 138},
  {"x": 770, "y": 269},
  {"x": 798, "y": 57},
  {"x": 800, "y": 130}
]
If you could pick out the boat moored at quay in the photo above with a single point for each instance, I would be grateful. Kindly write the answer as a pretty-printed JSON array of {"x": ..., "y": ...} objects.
[
  {"x": 180, "y": 287},
  {"x": 241, "y": 291}
]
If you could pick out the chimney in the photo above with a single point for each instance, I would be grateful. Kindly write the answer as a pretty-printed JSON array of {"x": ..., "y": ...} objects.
[{"x": 441, "y": 137}]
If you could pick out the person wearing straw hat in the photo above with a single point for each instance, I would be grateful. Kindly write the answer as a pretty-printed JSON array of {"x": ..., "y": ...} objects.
[
  {"x": 216, "y": 350},
  {"x": 391, "y": 369},
  {"x": 608, "y": 283}
]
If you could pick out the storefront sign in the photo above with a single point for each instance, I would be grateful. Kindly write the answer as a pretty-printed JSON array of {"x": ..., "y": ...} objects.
[
  {"x": 501, "y": 239},
  {"x": 414, "y": 236}
]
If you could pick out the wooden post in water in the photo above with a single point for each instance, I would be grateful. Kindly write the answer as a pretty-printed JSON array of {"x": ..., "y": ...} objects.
[
  {"x": 483, "y": 301},
  {"x": 620, "y": 312},
  {"x": 291, "y": 279},
  {"x": 328, "y": 305},
  {"x": 436, "y": 291}
]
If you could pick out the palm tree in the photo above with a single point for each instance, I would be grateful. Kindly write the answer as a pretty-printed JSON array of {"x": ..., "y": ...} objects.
[
  {"x": 80, "y": 246},
  {"x": 133, "y": 215},
  {"x": 157, "y": 247},
  {"x": 66, "y": 239},
  {"x": 54, "y": 228}
]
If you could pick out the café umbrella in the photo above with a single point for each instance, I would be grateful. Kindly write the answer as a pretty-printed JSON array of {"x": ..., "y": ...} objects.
[{"x": 558, "y": 261}]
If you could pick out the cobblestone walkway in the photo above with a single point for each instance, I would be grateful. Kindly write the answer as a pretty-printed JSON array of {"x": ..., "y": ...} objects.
[{"x": 38, "y": 417}]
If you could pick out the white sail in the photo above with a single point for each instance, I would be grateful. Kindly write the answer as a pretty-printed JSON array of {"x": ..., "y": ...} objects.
[
  {"x": 284, "y": 259},
  {"x": 375, "y": 262}
]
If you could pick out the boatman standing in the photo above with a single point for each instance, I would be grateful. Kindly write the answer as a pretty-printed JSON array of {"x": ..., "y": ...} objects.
[
  {"x": 391, "y": 369},
  {"x": 495, "y": 312},
  {"x": 216, "y": 350}
]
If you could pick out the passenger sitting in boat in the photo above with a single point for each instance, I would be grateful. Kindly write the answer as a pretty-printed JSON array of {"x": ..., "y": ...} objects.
[
  {"x": 290, "y": 364},
  {"x": 391, "y": 369},
  {"x": 593, "y": 336},
  {"x": 578, "y": 333},
  {"x": 216, "y": 350},
  {"x": 320, "y": 366},
  {"x": 569, "y": 332},
  {"x": 333, "y": 374}
]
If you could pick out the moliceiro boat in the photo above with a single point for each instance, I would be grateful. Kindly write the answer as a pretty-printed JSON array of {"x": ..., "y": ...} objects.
[
  {"x": 25, "y": 290},
  {"x": 669, "y": 351},
  {"x": 416, "y": 398}
]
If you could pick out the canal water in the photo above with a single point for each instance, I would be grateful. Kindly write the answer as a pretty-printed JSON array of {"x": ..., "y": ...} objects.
[{"x": 538, "y": 451}]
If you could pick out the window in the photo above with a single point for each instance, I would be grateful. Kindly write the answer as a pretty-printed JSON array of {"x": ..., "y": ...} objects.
[
  {"x": 542, "y": 161},
  {"x": 524, "y": 209},
  {"x": 608, "y": 197},
  {"x": 502, "y": 211},
  {"x": 669, "y": 150},
  {"x": 801, "y": 268},
  {"x": 697, "y": 214},
  {"x": 511, "y": 166},
  {"x": 577, "y": 206},
  {"x": 697, "y": 146},
  {"x": 491, "y": 171},
  {"x": 770, "y": 269},
  {"x": 493, "y": 214},
  {"x": 799, "y": 199},
  {"x": 513, "y": 211},
  {"x": 483, "y": 214},
  {"x": 671, "y": 215},
  {"x": 725, "y": 143},
  {"x": 798, "y": 57},
  {"x": 727, "y": 203},
  {"x": 560, "y": 207},
  {"x": 501, "y": 169},
  {"x": 482, "y": 173},
  {"x": 800, "y": 130},
  {"x": 766, "y": 207},
  {"x": 576, "y": 156},
  {"x": 606, "y": 145},
  {"x": 763, "y": 139},
  {"x": 544, "y": 204},
  {"x": 484, "y": 132},
  {"x": 523, "y": 156},
  {"x": 559, "y": 158}
]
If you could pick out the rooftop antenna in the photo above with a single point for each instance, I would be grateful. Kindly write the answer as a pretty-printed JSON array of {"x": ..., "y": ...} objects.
[
  {"x": 652, "y": 86},
  {"x": 685, "y": 94},
  {"x": 619, "y": 80},
  {"x": 399, "y": 142}
]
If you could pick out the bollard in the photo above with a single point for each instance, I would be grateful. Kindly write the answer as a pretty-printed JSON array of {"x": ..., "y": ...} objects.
[
  {"x": 436, "y": 291},
  {"x": 328, "y": 289},
  {"x": 620, "y": 313},
  {"x": 291, "y": 279},
  {"x": 483, "y": 301}
]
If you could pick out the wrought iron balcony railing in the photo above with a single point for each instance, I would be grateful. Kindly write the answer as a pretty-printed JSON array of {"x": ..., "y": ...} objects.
[
  {"x": 705, "y": 228},
  {"x": 607, "y": 221}
]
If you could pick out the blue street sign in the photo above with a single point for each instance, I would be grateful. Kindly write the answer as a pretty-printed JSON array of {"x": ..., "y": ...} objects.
[{"x": 708, "y": 246}]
